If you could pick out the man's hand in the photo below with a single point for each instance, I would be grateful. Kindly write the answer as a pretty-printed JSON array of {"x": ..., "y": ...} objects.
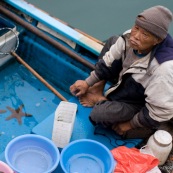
[
  {"x": 121, "y": 128},
  {"x": 79, "y": 88}
]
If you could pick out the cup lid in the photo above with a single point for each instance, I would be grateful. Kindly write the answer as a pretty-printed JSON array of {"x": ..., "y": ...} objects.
[{"x": 163, "y": 137}]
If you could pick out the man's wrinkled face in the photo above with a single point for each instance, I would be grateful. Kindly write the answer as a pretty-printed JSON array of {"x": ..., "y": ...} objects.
[{"x": 141, "y": 40}]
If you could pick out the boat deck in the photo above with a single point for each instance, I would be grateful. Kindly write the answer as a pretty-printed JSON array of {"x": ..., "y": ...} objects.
[
  {"x": 83, "y": 129},
  {"x": 59, "y": 69}
]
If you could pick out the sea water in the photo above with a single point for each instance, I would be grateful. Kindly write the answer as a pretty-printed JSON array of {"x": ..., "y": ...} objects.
[{"x": 99, "y": 18}]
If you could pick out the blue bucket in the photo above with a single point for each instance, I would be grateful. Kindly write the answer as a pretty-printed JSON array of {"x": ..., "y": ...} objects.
[
  {"x": 86, "y": 156},
  {"x": 32, "y": 154}
]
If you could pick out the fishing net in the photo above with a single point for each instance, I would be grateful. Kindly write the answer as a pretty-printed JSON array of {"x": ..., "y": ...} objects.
[{"x": 9, "y": 41}]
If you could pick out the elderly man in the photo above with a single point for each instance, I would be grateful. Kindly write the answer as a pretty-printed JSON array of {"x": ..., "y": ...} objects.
[{"x": 140, "y": 65}]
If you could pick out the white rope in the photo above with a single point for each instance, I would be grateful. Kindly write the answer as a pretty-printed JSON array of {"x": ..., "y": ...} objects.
[{"x": 17, "y": 41}]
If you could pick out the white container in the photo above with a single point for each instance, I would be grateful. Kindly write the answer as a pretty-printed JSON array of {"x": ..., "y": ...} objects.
[{"x": 161, "y": 144}]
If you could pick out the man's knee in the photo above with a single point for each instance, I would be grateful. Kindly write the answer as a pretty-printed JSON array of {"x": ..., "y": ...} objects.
[
  {"x": 96, "y": 114},
  {"x": 99, "y": 113}
]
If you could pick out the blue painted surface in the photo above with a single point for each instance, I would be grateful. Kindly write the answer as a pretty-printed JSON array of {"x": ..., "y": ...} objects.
[
  {"x": 54, "y": 65},
  {"x": 19, "y": 87},
  {"x": 83, "y": 129},
  {"x": 61, "y": 71}
]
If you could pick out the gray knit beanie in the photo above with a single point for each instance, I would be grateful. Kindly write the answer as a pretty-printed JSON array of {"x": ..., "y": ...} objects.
[{"x": 155, "y": 20}]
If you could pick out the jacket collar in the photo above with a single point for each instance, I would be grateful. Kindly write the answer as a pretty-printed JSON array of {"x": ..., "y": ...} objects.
[{"x": 164, "y": 51}]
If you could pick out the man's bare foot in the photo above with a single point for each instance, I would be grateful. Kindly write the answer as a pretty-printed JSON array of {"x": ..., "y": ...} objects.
[
  {"x": 97, "y": 88},
  {"x": 94, "y": 95},
  {"x": 86, "y": 100},
  {"x": 89, "y": 99}
]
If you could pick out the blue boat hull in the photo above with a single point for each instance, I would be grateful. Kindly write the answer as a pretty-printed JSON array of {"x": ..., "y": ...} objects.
[{"x": 60, "y": 70}]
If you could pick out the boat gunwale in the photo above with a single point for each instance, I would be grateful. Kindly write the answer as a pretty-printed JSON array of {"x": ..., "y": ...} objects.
[{"x": 84, "y": 40}]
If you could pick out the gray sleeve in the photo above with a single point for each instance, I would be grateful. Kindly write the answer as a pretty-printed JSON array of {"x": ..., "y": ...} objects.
[{"x": 92, "y": 79}]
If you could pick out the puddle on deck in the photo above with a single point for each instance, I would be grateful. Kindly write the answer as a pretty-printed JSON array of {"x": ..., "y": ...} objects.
[{"x": 24, "y": 102}]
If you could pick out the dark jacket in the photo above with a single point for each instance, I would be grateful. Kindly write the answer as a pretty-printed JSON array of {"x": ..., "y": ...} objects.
[{"x": 147, "y": 81}]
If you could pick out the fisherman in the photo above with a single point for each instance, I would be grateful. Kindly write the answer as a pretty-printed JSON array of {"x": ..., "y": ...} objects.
[{"x": 139, "y": 64}]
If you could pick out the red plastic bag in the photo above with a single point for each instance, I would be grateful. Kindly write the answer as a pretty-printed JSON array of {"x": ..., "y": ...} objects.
[{"x": 130, "y": 160}]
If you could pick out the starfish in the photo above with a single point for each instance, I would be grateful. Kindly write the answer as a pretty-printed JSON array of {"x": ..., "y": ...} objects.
[
  {"x": 17, "y": 113},
  {"x": 2, "y": 111}
]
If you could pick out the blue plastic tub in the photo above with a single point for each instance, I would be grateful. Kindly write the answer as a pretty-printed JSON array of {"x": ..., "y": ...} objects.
[
  {"x": 86, "y": 156},
  {"x": 32, "y": 154}
]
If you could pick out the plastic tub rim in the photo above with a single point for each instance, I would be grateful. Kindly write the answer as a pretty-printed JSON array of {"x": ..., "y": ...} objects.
[
  {"x": 33, "y": 136},
  {"x": 111, "y": 169}
]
